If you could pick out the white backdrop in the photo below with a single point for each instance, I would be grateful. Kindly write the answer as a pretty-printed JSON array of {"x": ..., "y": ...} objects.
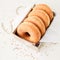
[{"x": 12, "y": 48}]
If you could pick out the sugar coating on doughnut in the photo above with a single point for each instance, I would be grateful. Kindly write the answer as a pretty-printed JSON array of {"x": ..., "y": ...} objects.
[
  {"x": 42, "y": 15},
  {"x": 46, "y": 8},
  {"x": 29, "y": 31},
  {"x": 38, "y": 22}
]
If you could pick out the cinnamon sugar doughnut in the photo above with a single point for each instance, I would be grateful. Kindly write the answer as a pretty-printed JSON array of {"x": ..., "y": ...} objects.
[
  {"x": 42, "y": 15},
  {"x": 29, "y": 31},
  {"x": 38, "y": 22},
  {"x": 46, "y": 8}
]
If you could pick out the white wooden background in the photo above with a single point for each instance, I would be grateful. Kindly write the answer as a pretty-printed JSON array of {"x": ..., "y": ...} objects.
[{"x": 11, "y": 48}]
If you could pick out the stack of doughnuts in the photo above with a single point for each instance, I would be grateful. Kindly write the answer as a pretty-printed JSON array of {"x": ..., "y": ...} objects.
[{"x": 35, "y": 24}]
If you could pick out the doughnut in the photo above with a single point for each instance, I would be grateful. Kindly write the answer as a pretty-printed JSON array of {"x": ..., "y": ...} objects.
[
  {"x": 46, "y": 8},
  {"x": 29, "y": 31},
  {"x": 42, "y": 15},
  {"x": 38, "y": 22},
  {"x": 34, "y": 25}
]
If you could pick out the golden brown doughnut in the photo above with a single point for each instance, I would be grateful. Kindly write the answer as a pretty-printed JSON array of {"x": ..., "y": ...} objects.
[
  {"x": 29, "y": 31},
  {"x": 46, "y": 8},
  {"x": 38, "y": 22},
  {"x": 42, "y": 15}
]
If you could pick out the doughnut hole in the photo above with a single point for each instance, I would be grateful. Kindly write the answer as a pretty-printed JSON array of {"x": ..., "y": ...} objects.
[{"x": 26, "y": 34}]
